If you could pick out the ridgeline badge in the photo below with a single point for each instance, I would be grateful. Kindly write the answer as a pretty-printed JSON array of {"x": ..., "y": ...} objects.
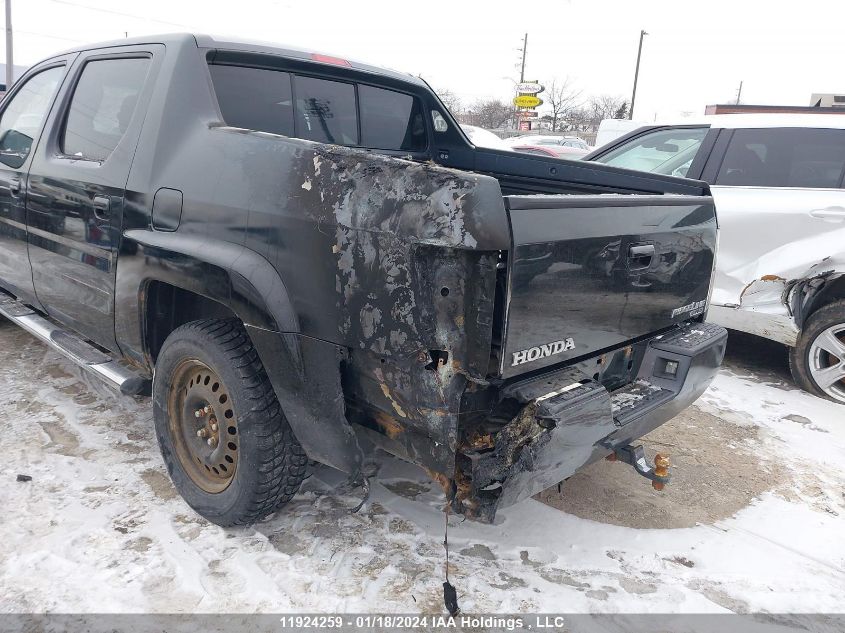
[
  {"x": 693, "y": 308},
  {"x": 542, "y": 351}
]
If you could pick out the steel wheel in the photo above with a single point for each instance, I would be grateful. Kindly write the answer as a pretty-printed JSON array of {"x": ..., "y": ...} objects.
[
  {"x": 827, "y": 361},
  {"x": 203, "y": 426}
]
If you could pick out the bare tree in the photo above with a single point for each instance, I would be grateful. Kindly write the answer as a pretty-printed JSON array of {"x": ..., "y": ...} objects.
[
  {"x": 578, "y": 119},
  {"x": 561, "y": 97},
  {"x": 488, "y": 113},
  {"x": 605, "y": 107},
  {"x": 451, "y": 101}
]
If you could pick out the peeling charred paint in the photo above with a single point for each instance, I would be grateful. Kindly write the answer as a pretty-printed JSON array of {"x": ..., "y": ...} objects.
[{"x": 414, "y": 250}]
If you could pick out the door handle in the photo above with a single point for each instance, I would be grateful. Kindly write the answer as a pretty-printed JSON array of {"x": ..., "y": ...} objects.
[
  {"x": 830, "y": 214},
  {"x": 640, "y": 256},
  {"x": 101, "y": 207},
  {"x": 15, "y": 186}
]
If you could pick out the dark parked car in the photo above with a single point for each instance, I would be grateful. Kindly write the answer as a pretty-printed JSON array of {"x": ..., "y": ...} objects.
[{"x": 291, "y": 252}]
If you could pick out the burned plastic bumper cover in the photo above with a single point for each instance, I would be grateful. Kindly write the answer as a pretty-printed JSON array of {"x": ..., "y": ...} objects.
[{"x": 568, "y": 420}]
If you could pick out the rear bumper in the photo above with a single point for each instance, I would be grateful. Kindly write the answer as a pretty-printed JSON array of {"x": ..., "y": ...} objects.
[{"x": 568, "y": 421}]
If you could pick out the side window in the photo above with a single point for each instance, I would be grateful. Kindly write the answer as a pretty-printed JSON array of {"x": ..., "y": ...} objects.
[
  {"x": 102, "y": 106},
  {"x": 784, "y": 157},
  {"x": 254, "y": 98},
  {"x": 667, "y": 152},
  {"x": 391, "y": 120},
  {"x": 25, "y": 113},
  {"x": 325, "y": 111},
  {"x": 440, "y": 124}
]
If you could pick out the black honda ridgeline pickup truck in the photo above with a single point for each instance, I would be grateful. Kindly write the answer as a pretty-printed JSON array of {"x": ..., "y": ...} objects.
[{"x": 300, "y": 257}]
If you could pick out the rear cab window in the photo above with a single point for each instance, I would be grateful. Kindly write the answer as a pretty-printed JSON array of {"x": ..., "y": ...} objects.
[
  {"x": 325, "y": 111},
  {"x": 391, "y": 120},
  {"x": 784, "y": 157},
  {"x": 319, "y": 109},
  {"x": 269, "y": 106}
]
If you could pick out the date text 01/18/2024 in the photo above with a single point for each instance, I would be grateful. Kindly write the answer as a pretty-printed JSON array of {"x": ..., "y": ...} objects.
[{"x": 414, "y": 622}]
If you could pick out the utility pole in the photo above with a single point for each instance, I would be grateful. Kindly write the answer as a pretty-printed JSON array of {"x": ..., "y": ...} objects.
[
  {"x": 10, "y": 65},
  {"x": 739, "y": 92},
  {"x": 636, "y": 75},
  {"x": 524, "y": 52}
]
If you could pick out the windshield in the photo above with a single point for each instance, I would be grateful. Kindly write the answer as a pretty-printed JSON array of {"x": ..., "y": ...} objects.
[{"x": 668, "y": 152}]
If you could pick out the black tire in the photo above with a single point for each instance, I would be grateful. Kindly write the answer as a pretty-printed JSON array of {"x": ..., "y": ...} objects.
[
  {"x": 800, "y": 360},
  {"x": 270, "y": 462}
]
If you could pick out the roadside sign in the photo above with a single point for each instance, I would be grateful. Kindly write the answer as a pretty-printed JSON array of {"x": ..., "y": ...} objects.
[
  {"x": 528, "y": 114},
  {"x": 529, "y": 87},
  {"x": 527, "y": 101}
]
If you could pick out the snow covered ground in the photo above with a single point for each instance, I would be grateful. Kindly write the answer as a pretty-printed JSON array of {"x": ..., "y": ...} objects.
[{"x": 755, "y": 521}]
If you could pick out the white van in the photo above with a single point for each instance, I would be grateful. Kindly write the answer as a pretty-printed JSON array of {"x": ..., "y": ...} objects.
[{"x": 612, "y": 129}]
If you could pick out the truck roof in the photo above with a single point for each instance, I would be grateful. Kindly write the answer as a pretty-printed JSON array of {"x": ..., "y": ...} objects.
[{"x": 211, "y": 42}]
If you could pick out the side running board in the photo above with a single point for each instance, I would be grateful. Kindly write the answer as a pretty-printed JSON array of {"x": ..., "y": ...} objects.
[{"x": 84, "y": 354}]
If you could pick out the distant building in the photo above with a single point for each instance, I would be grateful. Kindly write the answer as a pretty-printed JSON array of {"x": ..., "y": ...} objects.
[
  {"x": 827, "y": 100},
  {"x": 731, "y": 108}
]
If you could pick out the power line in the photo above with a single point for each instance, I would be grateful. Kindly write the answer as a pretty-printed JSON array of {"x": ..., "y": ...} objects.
[
  {"x": 52, "y": 37},
  {"x": 121, "y": 13}
]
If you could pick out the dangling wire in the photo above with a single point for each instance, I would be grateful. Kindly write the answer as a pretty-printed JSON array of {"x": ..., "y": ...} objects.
[
  {"x": 450, "y": 594},
  {"x": 366, "y": 487}
]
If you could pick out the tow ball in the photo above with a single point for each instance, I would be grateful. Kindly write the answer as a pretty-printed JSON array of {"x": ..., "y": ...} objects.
[{"x": 635, "y": 456}]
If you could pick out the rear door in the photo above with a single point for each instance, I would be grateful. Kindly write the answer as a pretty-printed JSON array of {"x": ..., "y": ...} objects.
[
  {"x": 21, "y": 120},
  {"x": 77, "y": 183},
  {"x": 781, "y": 209},
  {"x": 588, "y": 273}
]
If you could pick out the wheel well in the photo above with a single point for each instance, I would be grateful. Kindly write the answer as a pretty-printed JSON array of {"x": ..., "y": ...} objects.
[
  {"x": 831, "y": 292},
  {"x": 168, "y": 307}
]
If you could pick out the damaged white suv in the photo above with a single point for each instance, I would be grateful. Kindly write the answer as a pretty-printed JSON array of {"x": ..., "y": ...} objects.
[{"x": 777, "y": 180}]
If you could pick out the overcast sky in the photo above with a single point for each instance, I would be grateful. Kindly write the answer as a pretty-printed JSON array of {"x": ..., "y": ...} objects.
[{"x": 696, "y": 53}]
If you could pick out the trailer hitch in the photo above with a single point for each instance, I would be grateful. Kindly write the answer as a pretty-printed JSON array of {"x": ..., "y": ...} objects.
[{"x": 635, "y": 456}]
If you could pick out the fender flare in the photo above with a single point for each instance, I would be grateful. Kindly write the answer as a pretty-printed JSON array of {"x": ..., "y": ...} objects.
[
  {"x": 304, "y": 371},
  {"x": 229, "y": 273}
]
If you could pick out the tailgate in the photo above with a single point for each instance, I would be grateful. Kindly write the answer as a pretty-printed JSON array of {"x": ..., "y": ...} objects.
[{"x": 593, "y": 272}]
